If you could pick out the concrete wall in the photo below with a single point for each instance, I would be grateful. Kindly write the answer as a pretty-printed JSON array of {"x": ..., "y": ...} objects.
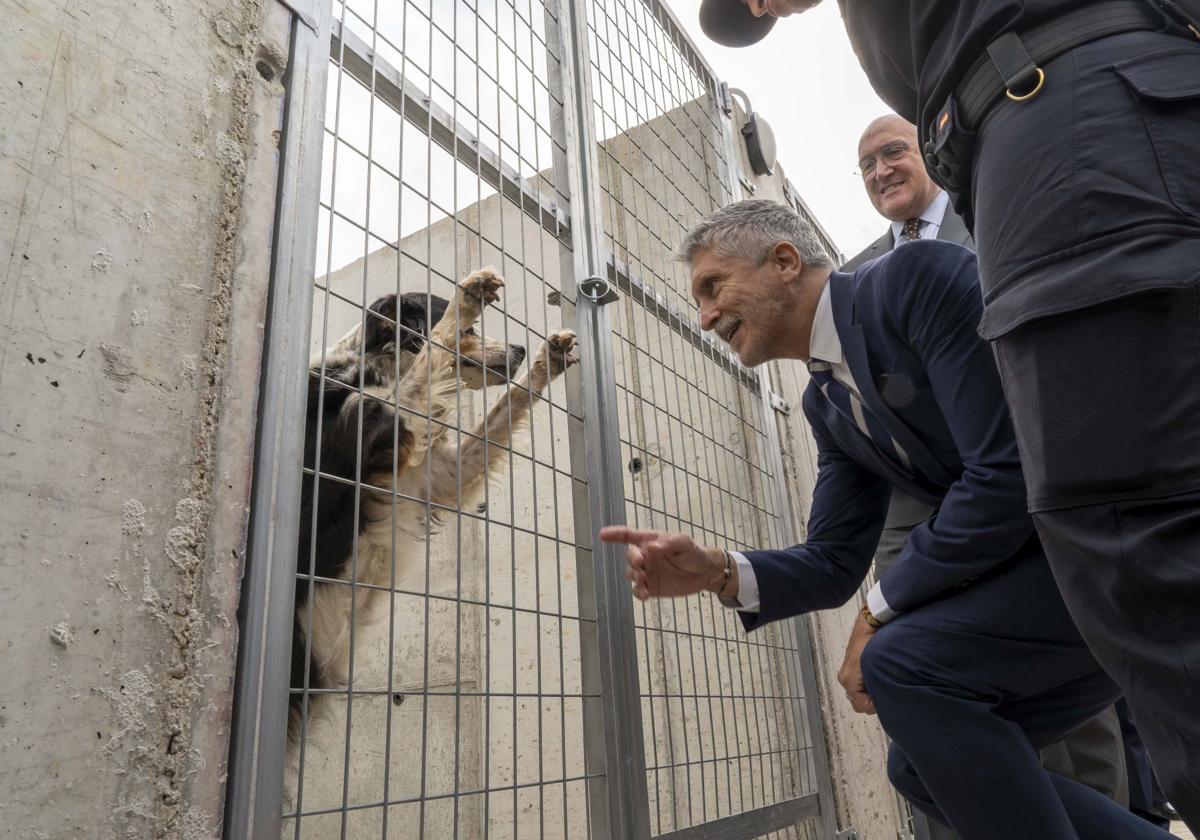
[{"x": 137, "y": 177}]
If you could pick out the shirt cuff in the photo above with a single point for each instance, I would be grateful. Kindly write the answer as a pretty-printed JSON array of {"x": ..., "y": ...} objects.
[
  {"x": 747, "y": 597},
  {"x": 878, "y": 605}
]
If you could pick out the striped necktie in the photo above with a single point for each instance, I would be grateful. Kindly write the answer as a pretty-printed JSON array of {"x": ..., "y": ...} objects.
[
  {"x": 911, "y": 230},
  {"x": 851, "y": 406}
]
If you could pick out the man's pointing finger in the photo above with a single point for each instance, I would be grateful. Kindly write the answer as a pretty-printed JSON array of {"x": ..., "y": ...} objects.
[{"x": 628, "y": 536}]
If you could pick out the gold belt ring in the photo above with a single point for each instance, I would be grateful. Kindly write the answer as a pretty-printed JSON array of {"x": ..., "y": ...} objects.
[{"x": 1025, "y": 97}]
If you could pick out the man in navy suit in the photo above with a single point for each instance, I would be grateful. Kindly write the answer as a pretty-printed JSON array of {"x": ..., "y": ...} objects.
[{"x": 964, "y": 647}]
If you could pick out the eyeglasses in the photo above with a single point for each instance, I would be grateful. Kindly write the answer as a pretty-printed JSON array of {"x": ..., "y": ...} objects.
[{"x": 891, "y": 154}]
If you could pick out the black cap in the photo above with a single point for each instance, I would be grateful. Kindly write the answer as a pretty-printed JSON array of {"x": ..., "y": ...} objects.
[{"x": 731, "y": 24}]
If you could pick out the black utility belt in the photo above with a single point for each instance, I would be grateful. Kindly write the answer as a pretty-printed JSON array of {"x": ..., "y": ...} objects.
[{"x": 1012, "y": 68}]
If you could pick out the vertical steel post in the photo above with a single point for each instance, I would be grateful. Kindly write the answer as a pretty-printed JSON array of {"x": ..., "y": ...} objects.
[
  {"x": 804, "y": 645},
  {"x": 614, "y": 722},
  {"x": 801, "y": 623},
  {"x": 259, "y": 733}
]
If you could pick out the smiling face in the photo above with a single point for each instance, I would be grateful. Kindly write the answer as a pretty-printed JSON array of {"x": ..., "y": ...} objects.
[
  {"x": 746, "y": 305},
  {"x": 893, "y": 173}
]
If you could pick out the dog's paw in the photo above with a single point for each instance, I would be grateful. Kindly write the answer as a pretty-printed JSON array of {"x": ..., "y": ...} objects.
[
  {"x": 555, "y": 355},
  {"x": 483, "y": 285}
]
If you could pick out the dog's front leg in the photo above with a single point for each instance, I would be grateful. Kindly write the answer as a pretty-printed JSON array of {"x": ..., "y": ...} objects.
[
  {"x": 426, "y": 388},
  {"x": 474, "y": 293},
  {"x": 481, "y": 450}
]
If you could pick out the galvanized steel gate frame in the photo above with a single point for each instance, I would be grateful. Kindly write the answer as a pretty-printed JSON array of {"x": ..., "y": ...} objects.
[{"x": 613, "y": 722}]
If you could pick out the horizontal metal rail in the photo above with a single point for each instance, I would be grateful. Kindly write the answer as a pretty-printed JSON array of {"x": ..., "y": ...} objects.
[
  {"x": 756, "y": 823},
  {"x": 416, "y": 106}
]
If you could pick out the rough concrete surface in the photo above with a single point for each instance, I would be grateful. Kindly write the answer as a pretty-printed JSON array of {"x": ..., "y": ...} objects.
[{"x": 137, "y": 174}]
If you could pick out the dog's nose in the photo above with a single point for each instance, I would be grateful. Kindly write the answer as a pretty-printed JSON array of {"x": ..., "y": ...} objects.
[{"x": 517, "y": 354}]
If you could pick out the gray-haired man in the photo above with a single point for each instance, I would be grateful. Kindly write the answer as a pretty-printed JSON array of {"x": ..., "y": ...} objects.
[{"x": 964, "y": 646}]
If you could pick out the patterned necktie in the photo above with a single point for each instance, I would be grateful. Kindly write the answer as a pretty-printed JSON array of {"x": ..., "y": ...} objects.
[
  {"x": 911, "y": 230},
  {"x": 850, "y": 406}
]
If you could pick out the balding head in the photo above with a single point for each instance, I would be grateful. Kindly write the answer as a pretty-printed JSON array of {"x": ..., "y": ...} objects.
[
  {"x": 896, "y": 182},
  {"x": 890, "y": 124}
]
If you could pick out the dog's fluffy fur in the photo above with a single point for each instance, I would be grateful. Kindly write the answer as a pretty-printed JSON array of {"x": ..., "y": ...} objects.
[{"x": 393, "y": 380}]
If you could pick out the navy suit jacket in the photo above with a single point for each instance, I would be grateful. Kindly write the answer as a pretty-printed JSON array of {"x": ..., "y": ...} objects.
[{"x": 907, "y": 324}]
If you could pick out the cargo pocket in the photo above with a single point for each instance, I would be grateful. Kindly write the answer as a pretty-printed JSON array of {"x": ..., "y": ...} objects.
[{"x": 1167, "y": 87}]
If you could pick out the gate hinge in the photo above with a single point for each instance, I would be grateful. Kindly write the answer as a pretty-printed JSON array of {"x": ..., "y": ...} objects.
[
  {"x": 780, "y": 404},
  {"x": 726, "y": 100}
]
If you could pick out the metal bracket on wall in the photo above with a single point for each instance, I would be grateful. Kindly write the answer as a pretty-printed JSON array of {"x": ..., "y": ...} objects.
[
  {"x": 598, "y": 290},
  {"x": 780, "y": 404},
  {"x": 850, "y": 833},
  {"x": 747, "y": 184},
  {"x": 303, "y": 9}
]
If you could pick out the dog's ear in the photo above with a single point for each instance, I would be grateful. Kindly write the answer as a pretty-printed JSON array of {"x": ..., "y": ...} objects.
[
  {"x": 414, "y": 322},
  {"x": 437, "y": 308},
  {"x": 379, "y": 330}
]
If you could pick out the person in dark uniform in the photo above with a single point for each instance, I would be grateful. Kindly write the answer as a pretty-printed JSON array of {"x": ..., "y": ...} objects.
[{"x": 1067, "y": 132}]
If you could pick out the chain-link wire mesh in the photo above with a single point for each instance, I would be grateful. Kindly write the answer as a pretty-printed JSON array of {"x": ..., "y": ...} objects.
[{"x": 459, "y": 711}]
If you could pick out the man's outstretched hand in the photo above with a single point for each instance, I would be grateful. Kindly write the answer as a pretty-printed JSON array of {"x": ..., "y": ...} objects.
[{"x": 661, "y": 565}]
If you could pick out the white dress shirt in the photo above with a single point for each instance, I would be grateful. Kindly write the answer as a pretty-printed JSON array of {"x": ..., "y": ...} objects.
[
  {"x": 825, "y": 346},
  {"x": 931, "y": 220}
]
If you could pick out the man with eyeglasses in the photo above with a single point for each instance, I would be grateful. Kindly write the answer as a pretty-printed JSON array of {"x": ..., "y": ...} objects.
[
  {"x": 902, "y": 192},
  {"x": 1065, "y": 131}
]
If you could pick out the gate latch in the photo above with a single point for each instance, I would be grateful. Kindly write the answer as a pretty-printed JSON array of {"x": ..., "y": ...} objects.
[{"x": 598, "y": 290}]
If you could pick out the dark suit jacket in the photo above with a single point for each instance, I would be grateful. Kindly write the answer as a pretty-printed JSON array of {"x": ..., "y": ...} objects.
[
  {"x": 905, "y": 511},
  {"x": 907, "y": 324},
  {"x": 952, "y": 229}
]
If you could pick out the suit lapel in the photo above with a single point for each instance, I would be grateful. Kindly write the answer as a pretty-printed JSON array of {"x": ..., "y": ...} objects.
[
  {"x": 953, "y": 230},
  {"x": 881, "y": 246},
  {"x": 854, "y": 349},
  {"x": 876, "y": 249}
]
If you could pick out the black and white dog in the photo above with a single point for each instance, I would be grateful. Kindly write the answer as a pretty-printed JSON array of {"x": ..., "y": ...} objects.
[{"x": 392, "y": 383}]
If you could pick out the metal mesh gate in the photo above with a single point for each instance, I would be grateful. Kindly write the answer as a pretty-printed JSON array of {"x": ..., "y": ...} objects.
[
  {"x": 722, "y": 711},
  {"x": 471, "y": 666}
]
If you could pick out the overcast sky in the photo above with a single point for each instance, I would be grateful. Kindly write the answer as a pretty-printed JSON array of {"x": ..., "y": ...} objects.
[{"x": 804, "y": 79}]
